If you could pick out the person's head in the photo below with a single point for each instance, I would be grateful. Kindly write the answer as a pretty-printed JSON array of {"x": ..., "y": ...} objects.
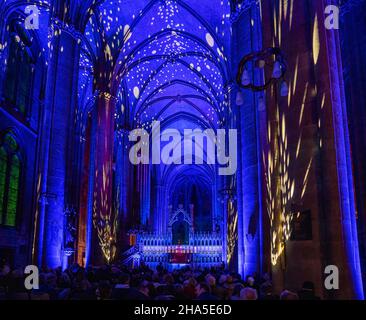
[
  {"x": 74, "y": 268},
  {"x": 51, "y": 280},
  {"x": 266, "y": 277},
  {"x": 58, "y": 271},
  {"x": 144, "y": 287},
  {"x": 152, "y": 290},
  {"x": 155, "y": 277},
  {"x": 266, "y": 289},
  {"x": 3, "y": 262},
  {"x": 202, "y": 288},
  {"x": 192, "y": 282},
  {"x": 237, "y": 289},
  {"x": 248, "y": 294},
  {"x": 104, "y": 289},
  {"x": 236, "y": 277},
  {"x": 250, "y": 281},
  {"x": 288, "y": 295},
  {"x": 168, "y": 279},
  {"x": 179, "y": 288},
  {"x": 229, "y": 279},
  {"x": 64, "y": 280},
  {"x": 210, "y": 280},
  {"x": 222, "y": 279},
  {"x": 124, "y": 278}
]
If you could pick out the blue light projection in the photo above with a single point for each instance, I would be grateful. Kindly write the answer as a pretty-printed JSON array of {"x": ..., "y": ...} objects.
[
  {"x": 164, "y": 62},
  {"x": 114, "y": 66}
]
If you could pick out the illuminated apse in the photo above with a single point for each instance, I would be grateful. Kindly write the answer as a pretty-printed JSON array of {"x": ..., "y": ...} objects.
[{"x": 92, "y": 72}]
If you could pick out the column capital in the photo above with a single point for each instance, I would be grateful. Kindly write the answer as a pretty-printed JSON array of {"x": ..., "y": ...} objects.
[
  {"x": 59, "y": 26},
  {"x": 105, "y": 95}
]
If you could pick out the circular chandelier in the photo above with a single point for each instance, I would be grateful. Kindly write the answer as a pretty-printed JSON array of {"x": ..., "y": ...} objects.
[{"x": 270, "y": 57}]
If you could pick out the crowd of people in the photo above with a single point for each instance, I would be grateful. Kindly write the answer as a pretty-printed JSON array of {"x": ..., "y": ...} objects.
[{"x": 118, "y": 282}]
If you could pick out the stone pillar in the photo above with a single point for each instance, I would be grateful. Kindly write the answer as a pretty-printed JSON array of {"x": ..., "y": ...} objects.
[
  {"x": 160, "y": 216},
  {"x": 341, "y": 242},
  {"x": 60, "y": 105},
  {"x": 249, "y": 184},
  {"x": 123, "y": 178},
  {"x": 103, "y": 209},
  {"x": 144, "y": 186},
  {"x": 247, "y": 39},
  {"x": 354, "y": 67},
  {"x": 314, "y": 122}
]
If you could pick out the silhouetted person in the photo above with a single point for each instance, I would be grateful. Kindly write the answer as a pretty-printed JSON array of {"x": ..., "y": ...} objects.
[
  {"x": 307, "y": 292},
  {"x": 203, "y": 292},
  {"x": 123, "y": 291},
  {"x": 248, "y": 294},
  {"x": 267, "y": 292},
  {"x": 104, "y": 290},
  {"x": 287, "y": 295}
]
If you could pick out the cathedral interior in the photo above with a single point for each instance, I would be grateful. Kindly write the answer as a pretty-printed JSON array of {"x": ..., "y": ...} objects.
[{"x": 78, "y": 77}]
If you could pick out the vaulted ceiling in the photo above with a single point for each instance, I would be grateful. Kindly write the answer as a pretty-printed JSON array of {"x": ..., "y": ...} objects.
[{"x": 169, "y": 58}]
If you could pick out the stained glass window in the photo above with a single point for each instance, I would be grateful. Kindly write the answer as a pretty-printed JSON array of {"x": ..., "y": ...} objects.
[
  {"x": 3, "y": 165},
  {"x": 9, "y": 181},
  {"x": 13, "y": 192}
]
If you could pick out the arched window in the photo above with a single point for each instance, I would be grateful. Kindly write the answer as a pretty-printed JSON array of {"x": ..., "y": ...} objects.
[
  {"x": 9, "y": 180},
  {"x": 18, "y": 75}
]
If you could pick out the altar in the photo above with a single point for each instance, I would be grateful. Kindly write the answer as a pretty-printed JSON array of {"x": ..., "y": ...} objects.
[{"x": 180, "y": 246}]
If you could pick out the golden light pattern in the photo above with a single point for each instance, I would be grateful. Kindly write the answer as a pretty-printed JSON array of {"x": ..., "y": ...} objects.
[
  {"x": 106, "y": 227},
  {"x": 316, "y": 43},
  {"x": 281, "y": 184},
  {"x": 104, "y": 211},
  {"x": 285, "y": 177},
  {"x": 232, "y": 235}
]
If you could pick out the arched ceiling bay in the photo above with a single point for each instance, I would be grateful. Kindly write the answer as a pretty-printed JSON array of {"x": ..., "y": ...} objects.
[{"x": 168, "y": 57}]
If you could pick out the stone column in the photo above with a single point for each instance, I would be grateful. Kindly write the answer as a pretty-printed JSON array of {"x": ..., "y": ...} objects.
[
  {"x": 340, "y": 240},
  {"x": 247, "y": 36},
  {"x": 354, "y": 66},
  {"x": 315, "y": 119},
  {"x": 123, "y": 178},
  {"x": 60, "y": 105},
  {"x": 144, "y": 186},
  {"x": 160, "y": 218},
  {"x": 103, "y": 209}
]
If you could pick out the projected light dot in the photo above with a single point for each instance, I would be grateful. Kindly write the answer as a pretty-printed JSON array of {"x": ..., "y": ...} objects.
[
  {"x": 210, "y": 40},
  {"x": 136, "y": 92}
]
